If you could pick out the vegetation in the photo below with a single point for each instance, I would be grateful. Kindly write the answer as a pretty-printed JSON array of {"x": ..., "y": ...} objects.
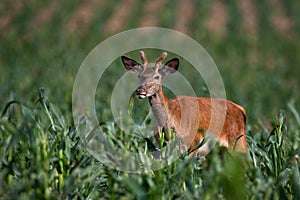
[{"x": 42, "y": 154}]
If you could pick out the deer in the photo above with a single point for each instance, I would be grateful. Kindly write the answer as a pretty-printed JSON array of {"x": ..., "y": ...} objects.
[{"x": 189, "y": 117}]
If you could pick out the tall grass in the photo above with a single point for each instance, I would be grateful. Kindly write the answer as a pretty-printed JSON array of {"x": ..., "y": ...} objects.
[{"x": 42, "y": 157}]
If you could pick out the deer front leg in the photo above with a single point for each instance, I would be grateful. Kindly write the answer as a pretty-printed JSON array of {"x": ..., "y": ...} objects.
[
  {"x": 157, "y": 153},
  {"x": 158, "y": 131},
  {"x": 160, "y": 136},
  {"x": 156, "y": 134}
]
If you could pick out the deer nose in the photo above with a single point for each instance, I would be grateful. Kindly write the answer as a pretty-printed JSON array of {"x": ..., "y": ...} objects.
[{"x": 140, "y": 90}]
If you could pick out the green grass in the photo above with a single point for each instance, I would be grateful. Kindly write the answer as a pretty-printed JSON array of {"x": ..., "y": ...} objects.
[
  {"x": 42, "y": 157},
  {"x": 42, "y": 154}
]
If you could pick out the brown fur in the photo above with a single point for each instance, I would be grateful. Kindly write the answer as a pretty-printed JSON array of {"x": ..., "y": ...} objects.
[
  {"x": 190, "y": 117},
  {"x": 190, "y": 128}
]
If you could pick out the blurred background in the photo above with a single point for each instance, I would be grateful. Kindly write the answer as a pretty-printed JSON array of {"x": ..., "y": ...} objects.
[{"x": 254, "y": 43}]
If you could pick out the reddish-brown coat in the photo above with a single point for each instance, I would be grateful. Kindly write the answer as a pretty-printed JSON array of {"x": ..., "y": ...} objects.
[
  {"x": 190, "y": 120},
  {"x": 190, "y": 117}
]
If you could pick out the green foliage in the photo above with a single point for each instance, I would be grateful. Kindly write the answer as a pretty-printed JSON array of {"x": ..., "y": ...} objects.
[
  {"x": 42, "y": 154},
  {"x": 42, "y": 157}
]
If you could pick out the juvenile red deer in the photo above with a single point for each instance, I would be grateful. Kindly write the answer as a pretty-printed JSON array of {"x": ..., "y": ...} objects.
[{"x": 189, "y": 117}]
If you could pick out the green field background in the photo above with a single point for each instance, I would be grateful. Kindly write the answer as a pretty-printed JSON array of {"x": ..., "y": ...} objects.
[{"x": 254, "y": 43}]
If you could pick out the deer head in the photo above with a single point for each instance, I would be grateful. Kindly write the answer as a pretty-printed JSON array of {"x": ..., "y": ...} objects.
[{"x": 150, "y": 78}]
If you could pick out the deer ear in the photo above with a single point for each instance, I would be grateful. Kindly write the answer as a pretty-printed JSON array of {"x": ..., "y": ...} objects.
[
  {"x": 170, "y": 67},
  {"x": 131, "y": 65}
]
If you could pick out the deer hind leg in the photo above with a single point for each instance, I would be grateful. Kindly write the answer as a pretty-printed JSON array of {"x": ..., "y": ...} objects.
[
  {"x": 195, "y": 148},
  {"x": 241, "y": 143}
]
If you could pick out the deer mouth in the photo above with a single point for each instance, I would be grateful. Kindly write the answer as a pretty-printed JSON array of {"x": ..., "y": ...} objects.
[
  {"x": 145, "y": 91},
  {"x": 141, "y": 94}
]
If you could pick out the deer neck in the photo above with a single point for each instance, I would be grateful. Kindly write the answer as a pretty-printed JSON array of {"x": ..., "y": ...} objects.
[{"x": 159, "y": 103}]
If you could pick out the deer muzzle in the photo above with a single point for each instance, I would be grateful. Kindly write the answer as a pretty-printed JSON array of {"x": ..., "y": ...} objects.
[{"x": 141, "y": 92}]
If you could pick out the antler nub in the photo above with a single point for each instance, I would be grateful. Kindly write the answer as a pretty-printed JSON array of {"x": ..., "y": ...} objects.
[
  {"x": 160, "y": 59},
  {"x": 144, "y": 59}
]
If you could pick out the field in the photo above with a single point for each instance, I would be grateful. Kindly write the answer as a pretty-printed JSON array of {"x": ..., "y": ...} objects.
[{"x": 255, "y": 45}]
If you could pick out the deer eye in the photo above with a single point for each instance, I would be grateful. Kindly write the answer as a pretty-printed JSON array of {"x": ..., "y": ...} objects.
[{"x": 157, "y": 77}]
